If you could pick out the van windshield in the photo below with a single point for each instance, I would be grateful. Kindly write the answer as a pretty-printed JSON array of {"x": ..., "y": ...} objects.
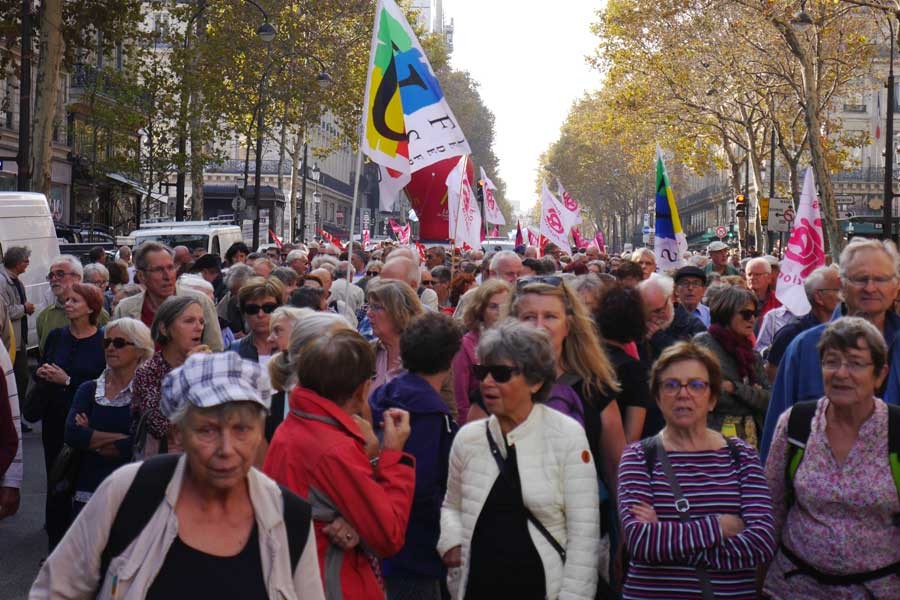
[{"x": 198, "y": 240}]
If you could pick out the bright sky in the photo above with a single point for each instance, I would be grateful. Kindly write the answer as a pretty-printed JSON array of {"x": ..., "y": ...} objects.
[{"x": 529, "y": 58}]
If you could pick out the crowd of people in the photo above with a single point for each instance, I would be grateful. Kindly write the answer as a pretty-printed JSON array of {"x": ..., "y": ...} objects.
[{"x": 308, "y": 423}]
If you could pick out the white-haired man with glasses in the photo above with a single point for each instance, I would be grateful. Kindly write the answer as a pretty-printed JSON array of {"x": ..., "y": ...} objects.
[{"x": 65, "y": 271}]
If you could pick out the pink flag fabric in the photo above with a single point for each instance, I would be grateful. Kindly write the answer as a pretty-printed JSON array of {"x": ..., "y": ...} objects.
[
  {"x": 465, "y": 218},
  {"x": 492, "y": 212},
  {"x": 572, "y": 211},
  {"x": 520, "y": 241},
  {"x": 553, "y": 220},
  {"x": 401, "y": 231},
  {"x": 580, "y": 242},
  {"x": 804, "y": 252}
]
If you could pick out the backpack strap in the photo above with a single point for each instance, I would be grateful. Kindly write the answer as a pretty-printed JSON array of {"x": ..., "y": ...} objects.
[
  {"x": 568, "y": 378},
  {"x": 141, "y": 500},
  {"x": 649, "y": 446},
  {"x": 297, "y": 518},
  {"x": 894, "y": 447},
  {"x": 798, "y": 430}
]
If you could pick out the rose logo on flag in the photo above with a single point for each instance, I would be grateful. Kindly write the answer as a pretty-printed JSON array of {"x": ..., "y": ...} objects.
[
  {"x": 570, "y": 203},
  {"x": 806, "y": 247},
  {"x": 489, "y": 196},
  {"x": 554, "y": 221}
]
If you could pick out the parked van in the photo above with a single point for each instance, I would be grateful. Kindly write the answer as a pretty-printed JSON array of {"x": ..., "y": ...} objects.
[
  {"x": 25, "y": 220},
  {"x": 215, "y": 237}
]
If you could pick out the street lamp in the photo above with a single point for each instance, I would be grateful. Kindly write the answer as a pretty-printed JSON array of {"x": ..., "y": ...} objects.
[
  {"x": 315, "y": 174},
  {"x": 888, "y": 207},
  {"x": 316, "y": 202}
]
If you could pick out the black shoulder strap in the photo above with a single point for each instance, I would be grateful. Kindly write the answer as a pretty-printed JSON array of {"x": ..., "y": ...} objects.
[
  {"x": 568, "y": 378},
  {"x": 798, "y": 430},
  {"x": 495, "y": 451},
  {"x": 649, "y": 446},
  {"x": 735, "y": 451},
  {"x": 297, "y": 518},
  {"x": 140, "y": 502}
]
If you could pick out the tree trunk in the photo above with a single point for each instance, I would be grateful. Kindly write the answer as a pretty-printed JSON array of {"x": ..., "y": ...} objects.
[
  {"x": 46, "y": 95},
  {"x": 296, "y": 176}
]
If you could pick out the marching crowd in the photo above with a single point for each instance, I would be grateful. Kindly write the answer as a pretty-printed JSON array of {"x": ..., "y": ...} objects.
[{"x": 306, "y": 424}]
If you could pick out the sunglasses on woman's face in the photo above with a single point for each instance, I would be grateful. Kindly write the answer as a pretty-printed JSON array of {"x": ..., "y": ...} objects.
[
  {"x": 117, "y": 343},
  {"x": 747, "y": 315},
  {"x": 373, "y": 273},
  {"x": 253, "y": 309},
  {"x": 500, "y": 373}
]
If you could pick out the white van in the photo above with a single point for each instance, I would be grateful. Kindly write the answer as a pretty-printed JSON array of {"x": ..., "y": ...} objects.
[
  {"x": 25, "y": 220},
  {"x": 215, "y": 237}
]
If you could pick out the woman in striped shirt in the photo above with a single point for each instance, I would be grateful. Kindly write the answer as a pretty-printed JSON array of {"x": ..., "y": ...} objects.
[{"x": 704, "y": 536}]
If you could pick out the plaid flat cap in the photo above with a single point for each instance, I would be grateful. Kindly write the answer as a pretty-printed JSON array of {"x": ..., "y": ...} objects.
[{"x": 206, "y": 380}]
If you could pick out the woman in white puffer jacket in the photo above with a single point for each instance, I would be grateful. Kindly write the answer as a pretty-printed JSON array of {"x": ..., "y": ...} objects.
[{"x": 532, "y": 530}]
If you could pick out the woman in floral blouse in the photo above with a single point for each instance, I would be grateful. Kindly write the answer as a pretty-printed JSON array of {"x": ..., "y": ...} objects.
[
  {"x": 177, "y": 331},
  {"x": 837, "y": 515}
]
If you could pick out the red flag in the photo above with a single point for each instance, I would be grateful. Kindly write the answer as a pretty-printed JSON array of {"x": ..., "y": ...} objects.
[
  {"x": 331, "y": 240},
  {"x": 421, "y": 248},
  {"x": 365, "y": 239},
  {"x": 275, "y": 239},
  {"x": 401, "y": 231},
  {"x": 520, "y": 241},
  {"x": 532, "y": 239},
  {"x": 601, "y": 243},
  {"x": 496, "y": 232},
  {"x": 580, "y": 242}
]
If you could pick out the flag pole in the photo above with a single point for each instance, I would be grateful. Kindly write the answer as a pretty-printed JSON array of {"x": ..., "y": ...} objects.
[{"x": 353, "y": 226}]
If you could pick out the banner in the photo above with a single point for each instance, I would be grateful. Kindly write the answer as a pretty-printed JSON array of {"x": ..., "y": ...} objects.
[
  {"x": 492, "y": 212},
  {"x": 520, "y": 241},
  {"x": 670, "y": 244},
  {"x": 401, "y": 231},
  {"x": 331, "y": 239},
  {"x": 553, "y": 224},
  {"x": 572, "y": 211},
  {"x": 804, "y": 252},
  {"x": 402, "y": 96},
  {"x": 465, "y": 218}
]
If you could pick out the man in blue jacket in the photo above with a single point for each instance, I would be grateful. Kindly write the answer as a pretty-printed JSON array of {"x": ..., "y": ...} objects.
[
  {"x": 869, "y": 282},
  {"x": 427, "y": 348}
]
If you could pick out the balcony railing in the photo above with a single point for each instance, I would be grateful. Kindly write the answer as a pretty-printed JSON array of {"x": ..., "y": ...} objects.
[{"x": 236, "y": 165}]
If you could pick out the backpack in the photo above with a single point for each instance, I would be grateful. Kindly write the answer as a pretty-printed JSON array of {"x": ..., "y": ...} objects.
[
  {"x": 798, "y": 430},
  {"x": 149, "y": 488},
  {"x": 650, "y": 447}
]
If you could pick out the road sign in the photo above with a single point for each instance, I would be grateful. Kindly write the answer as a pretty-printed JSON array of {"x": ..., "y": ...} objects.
[
  {"x": 781, "y": 214},
  {"x": 238, "y": 203},
  {"x": 721, "y": 232}
]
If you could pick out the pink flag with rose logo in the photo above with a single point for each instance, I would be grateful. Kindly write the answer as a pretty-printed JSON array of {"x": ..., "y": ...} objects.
[
  {"x": 804, "y": 252},
  {"x": 553, "y": 220}
]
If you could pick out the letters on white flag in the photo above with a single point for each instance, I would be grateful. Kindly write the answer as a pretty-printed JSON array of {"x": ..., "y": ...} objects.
[
  {"x": 553, "y": 225},
  {"x": 492, "y": 212},
  {"x": 465, "y": 218},
  {"x": 572, "y": 212},
  {"x": 804, "y": 252}
]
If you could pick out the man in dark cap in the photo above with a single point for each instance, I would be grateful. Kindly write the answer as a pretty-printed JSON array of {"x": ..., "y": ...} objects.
[{"x": 690, "y": 285}]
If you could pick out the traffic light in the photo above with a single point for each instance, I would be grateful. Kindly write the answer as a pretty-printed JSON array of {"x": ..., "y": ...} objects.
[
  {"x": 479, "y": 191},
  {"x": 740, "y": 206}
]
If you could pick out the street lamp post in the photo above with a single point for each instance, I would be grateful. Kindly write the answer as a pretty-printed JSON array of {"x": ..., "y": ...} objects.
[
  {"x": 315, "y": 174},
  {"x": 316, "y": 201}
]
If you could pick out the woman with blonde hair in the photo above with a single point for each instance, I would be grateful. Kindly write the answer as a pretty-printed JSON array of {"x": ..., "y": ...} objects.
[
  {"x": 392, "y": 306},
  {"x": 488, "y": 306},
  {"x": 586, "y": 382}
]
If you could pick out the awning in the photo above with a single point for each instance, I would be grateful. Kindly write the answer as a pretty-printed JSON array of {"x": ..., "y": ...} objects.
[{"x": 161, "y": 198}]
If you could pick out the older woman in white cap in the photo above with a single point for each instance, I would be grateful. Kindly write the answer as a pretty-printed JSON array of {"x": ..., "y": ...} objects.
[{"x": 202, "y": 524}]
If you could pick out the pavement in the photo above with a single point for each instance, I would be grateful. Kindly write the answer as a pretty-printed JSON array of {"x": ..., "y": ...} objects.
[{"x": 23, "y": 542}]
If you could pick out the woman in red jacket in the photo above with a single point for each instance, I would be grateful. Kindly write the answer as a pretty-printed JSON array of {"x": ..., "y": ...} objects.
[{"x": 320, "y": 453}]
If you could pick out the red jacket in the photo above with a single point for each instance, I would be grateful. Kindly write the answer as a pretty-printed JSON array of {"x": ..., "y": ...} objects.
[{"x": 320, "y": 456}]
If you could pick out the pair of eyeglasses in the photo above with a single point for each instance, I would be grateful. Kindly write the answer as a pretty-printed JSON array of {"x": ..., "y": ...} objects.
[
  {"x": 428, "y": 283},
  {"x": 373, "y": 273},
  {"x": 551, "y": 280},
  {"x": 500, "y": 373},
  {"x": 689, "y": 285},
  {"x": 835, "y": 364},
  {"x": 253, "y": 309},
  {"x": 694, "y": 387},
  {"x": 117, "y": 343},
  {"x": 747, "y": 315},
  {"x": 863, "y": 282},
  {"x": 57, "y": 275}
]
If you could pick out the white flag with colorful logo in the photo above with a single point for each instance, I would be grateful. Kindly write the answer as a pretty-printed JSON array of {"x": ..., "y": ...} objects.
[
  {"x": 553, "y": 224},
  {"x": 670, "y": 244},
  {"x": 572, "y": 211},
  {"x": 465, "y": 218},
  {"x": 805, "y": 251},
  {"x": 492, "y": 212},
  {"x": 403, "y": 96}
]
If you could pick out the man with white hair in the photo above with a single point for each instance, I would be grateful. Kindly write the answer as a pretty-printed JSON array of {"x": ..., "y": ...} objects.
[
  {"x": 345, "y": 291},
  {"x": 412, "y": 276},
  {"x": 65, "y": 271},
  {"x": 506, "y": 265},
  {"x": 667, "y": 322},
  {"x": 298, "y": 261},
  {"x": 759, "y": 280}
]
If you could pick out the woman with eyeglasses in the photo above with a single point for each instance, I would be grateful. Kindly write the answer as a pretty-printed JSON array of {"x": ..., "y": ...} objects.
[
  {"x": 521, "y": 515},
  {"x": 741, "y": 408},
  {"x": 391, "y": 307},
  {"x": 177, "y": 331},
  {"x": 694, "y": 505},
  {"x": 99, "y": 422},
  {"x": 258, "y": 299},
  {"x": 72, "y": 355},
  {"x": 832, "y": 469}
]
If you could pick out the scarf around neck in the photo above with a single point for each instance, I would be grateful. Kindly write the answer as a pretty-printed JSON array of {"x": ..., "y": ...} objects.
[{"x": 739, "y": 348}]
